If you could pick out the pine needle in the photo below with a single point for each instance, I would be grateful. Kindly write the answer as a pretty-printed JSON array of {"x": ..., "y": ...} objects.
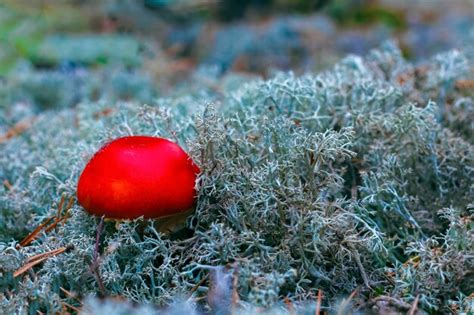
[
  {"x": 414, "y": 306},
  {"x": 32, "y": 236},
  {"x": 37, "y": 259},
  {"x": 318, "y": 303}
]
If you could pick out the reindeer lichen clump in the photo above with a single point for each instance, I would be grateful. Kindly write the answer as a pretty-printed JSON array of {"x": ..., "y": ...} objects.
[{"x": 353, "y": 183}]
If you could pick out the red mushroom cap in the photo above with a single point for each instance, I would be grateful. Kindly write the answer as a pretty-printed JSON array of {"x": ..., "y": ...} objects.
[{"x": 138, "y": 176}]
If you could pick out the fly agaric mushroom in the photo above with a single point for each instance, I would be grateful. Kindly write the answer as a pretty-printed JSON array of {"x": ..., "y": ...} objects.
[{"x": 138, "y": 176}]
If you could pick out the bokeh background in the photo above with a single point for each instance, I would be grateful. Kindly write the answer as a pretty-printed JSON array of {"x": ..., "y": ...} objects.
[{"x": 142, "y": 49}]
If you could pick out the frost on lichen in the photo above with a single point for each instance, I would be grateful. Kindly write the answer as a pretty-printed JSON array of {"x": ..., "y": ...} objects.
[{"x": 354, "y": 180}]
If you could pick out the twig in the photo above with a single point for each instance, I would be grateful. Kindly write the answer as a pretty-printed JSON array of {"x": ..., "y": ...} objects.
[
  {"x": 16, "y": 130},
  {"x": 289, "y": 306},
  {"x": 103, "y": 113},
  {"x": 413, "y": 260},
  {"x": 318, "y": 303},
  {"x": 32, "y": 236},
  {"x": 60, "y": 206},
  {"x": 70, "y": 295},
  {"x": 198, "y": 285},
  {"x": 7, "y": 184},
  {"x": 361, "y": 267},
  {"x": 37, "y": 259},
  {"x": 62, "y": 214},
  {"x": 345, "y": 303},
  {"x": 58, "y": 218},
  {"x": 44, "y": 255},
  {"x": 199, "y": 298},
  {"x": 76, "y": 309},
  {"x": 465, "y": 84},
  {"x": 414, "y": 306},
  {"x": 56, "y": 222}
]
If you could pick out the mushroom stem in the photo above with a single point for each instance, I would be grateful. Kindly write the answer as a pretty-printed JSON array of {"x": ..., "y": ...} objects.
[{"x": 94, "y": 267}]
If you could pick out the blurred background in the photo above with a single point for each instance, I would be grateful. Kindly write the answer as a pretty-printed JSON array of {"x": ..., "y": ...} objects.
[{"x": 56, "y": 52}]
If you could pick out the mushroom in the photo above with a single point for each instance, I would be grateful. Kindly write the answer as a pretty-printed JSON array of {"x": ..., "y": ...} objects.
[{"x": 138, "y": 176}]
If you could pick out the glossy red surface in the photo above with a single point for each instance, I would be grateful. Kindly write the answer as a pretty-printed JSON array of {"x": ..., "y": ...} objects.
[{"x": 138, "y": 176}]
